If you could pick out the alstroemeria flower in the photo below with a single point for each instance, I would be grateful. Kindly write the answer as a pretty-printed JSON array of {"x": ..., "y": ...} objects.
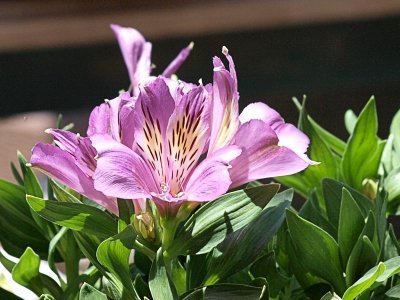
[
  {"x": 270, "y": 147},
  {"x": 170, "y": 136},
  {"x": 72, "y": 162},
  {"x": 136, "y": 52}
]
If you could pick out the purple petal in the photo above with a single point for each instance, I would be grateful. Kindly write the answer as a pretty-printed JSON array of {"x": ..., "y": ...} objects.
[
  {"x": 152, "y": 111},
  {"x": 136, "y": 52},
  {"x": 99, "y": 120},
  {"x": 225, "y": 108},
  {"x": 66, "y": 140},
  {"x": 261, "y": 111},
  {"x": 292, "y": 138},
  {"x": 85, "y": 156},
  {"x": 211, "y": 177},
  {"x": 178, "y": 61},
  {"x": 61, "y": 166},
  {"x": 187, "y": 135},
  {"x": 261, "y": 156},
  {"x": 121, "y": 172},
  {"x": 108, "y": 117}
]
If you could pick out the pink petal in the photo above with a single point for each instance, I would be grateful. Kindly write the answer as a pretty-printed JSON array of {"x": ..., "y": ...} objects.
[
  {"x": 225, "y": 108},
  {"x": 261, "y": 111},
  {"x": 136, "y": 52},
  {"x": 211, "y": 178},
  {"x": 150, "y": 117},
  {"x": 121, "y": 172},
  {"x": 178, "y": 61},
  {"x": 187, "y": 134},
  {"x": 66, "y": 140},
  {"x": 61, "y": 166},
  {"x": 292, "y": 138},
  {"x": 261, "y": 156},
  {"x": 108, "y": 118}
]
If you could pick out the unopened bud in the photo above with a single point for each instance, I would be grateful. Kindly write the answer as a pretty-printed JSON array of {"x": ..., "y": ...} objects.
[
  {"x": 144, "y": 225},
  {"x": 370, "y": 188}
]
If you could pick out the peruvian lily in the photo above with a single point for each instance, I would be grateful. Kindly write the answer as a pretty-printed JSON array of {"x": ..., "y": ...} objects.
[
  {"x": 270, "y": 147},
  {"x": 170, "y": 136},
  {"x": 136, "y": 52},
  {"x": 72, "y": 162}
]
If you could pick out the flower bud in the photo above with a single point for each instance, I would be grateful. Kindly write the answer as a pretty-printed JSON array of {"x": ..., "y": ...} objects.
[
  {"x": 144, "y": 225},
  {"x": 370, "y": 188}
]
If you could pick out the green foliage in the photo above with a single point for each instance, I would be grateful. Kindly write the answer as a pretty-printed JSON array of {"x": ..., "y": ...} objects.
[
  {"x": 75, "y": 216},
  {"x": 209, "y": 226},
  {"x": 160, "y": 281},
  {"x": 247, "y": 244},
  {"x": 363, "y": 152}
]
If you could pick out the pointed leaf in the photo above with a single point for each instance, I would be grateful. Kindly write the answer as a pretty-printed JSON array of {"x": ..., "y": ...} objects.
[
  {"x": 88, "y": 292},
  {"x": 160, "y": 282},
  {"x": 242, "y": 247},
  {"x": 209, "y": 226},
  {"x": 318, "y": 251},
  {"x": 364, "y": 282},
  {"x": 113, "y": 254},
  {"x": 351, "y": 224},
  {"x": 79, "y": 217},
  {"x": 229, "y": 291},
  {"x": 363, "y": 152}
]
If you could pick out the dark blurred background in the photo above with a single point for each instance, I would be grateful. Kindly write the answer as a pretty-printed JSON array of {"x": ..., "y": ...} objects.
[{"x": 60, "y": 56}]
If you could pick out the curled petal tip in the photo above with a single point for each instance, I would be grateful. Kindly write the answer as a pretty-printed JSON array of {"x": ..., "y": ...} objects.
[
  {"x": 78, "y": 135},
  {"x": 225, "y": 50},
  {"x": 201, "y": 81},
  {"x": 191, "y": 45},
  {"x": 107, "y": 101},
  {"x": 28, "y": 165},
  {"x": 48, "y": 130}
]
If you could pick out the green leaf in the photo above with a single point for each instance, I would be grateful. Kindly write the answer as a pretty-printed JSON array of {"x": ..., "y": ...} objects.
[
  {"x": 364, "y": 149},
  {"x": 394, "y": 292},
  {"x": 332, "y": 190},
  {"x": 32, "y": 184},
  {"x": 88, "y": 244},
  {"x": 350, "y": 120},
  {"x": 311, "y": 211},
  {"x": 113, "y": 254},
  {"x": 126, "y": 210},
  {"x": 330, "y": 296},
  {"x": 228, "y": 291},
  {"x": 363, "y": 255},
  {"x": 46, "y": 297},
  {"x": 196, "y": 269},
  {"x": 26, "y": 273},
  {"x": 392, "y": 267},
  {"x": 266, "y": 267},
  {"x": 318, "y": 251},
  {"x": 27, "y": 268},
  {"x": 52, "y": 250},
  {"x": 88, "y": 292},
  {"x": 61, "y": 194},
  {"x": 6, "y": 295},
  {"x": 335, "y": 144},
  {"x": 391, "y": 184},
  {"x": 16, "y": 174},
  {"x": 79, "y": 217},
  {"x": 209, "y": 226},
  {"x": 318, "y": 151},
  {"x": 364, "y": 282},
  {"x": 18, "y": 230},
  {"x": 242, "y": 247},
  {"x": 351, "y": 224},
  {"x": 160, "y": 282}
]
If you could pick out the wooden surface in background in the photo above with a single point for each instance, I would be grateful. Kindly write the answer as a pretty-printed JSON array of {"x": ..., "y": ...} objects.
[
  {"x": 22, "y": 132},
  {"x": 43, "y": 24}
]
